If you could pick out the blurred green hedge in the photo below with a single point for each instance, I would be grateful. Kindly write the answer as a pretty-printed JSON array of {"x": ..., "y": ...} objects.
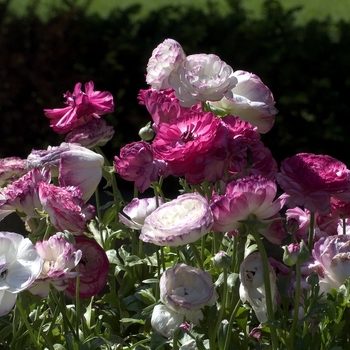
[{"x": 306, "y": 67}]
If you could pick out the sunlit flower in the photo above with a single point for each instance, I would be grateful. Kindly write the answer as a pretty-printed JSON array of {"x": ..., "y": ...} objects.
[
  {"x": 11, "y": 169},
  {"x": 93, "y": 269},
  {"x": 178, "y": 222},
  {"x": 166, "y": 57},
  {"x": 184, "y": 291},
  {"x": 137, "y": 211},
  {"x": 66, "y": 209},
  {"x": 252, "y": 101},
  {"x": 245, "y": 197},
  {"x": 20, "y": 265},
  {"x": 60, "y": 259},
  {"x": 82, "y": 106},
  {"x": 252, "y": 287},
  {"x": 310, "y": 180}
]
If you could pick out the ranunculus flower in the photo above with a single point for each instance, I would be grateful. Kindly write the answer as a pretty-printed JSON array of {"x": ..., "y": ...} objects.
[
  {"x": 60, "y": 259},
  {"x": 302, "y": 220},
  {"x": 66, "y": 209},
  {"x": 332, "y": 257},
  {"x": 310, "y": 180},
  {"x": 252, "y": 287},
  {"x": 248, "y": 196},
  {"x": 11, "y": 169},
  {"x": 93, "y": 269},
  {"x": 201, "y": 78},
  {"x": 184, "y": 291},
  {"x": 178, "y": 222},
  {"x": 95, "y": 132},
  {"x": 137, "y": 163},
  {"x": 137, "y": 211},
  {"x": 252, "y": 101},
  {"x": 166, "y": 57},
  {"x": 189, "y": 143},
  {"x": 20, "y": 265},
  {"x": 82, "y": 106}
]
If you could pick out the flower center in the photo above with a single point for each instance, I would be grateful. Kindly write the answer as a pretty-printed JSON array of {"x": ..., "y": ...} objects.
[{"x": 3, "y": 271}]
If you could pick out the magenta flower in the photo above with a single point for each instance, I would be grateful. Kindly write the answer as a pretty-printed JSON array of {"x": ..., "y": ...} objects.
[
  {"x": 82, "y": 107},
  {"x": 201, "y": 78},
  {"x": 11, "y": 169},
  {"x": 166, "y": 57},
  {"x": 252, "y": 101},
  {"x": 137, "y": 163},
  {"x": 178, "y": 222},
  {"x": 189, "y": 143},
  {"x": 93, "y": 269},
  {"x": 95, "y": 132},
  {"x": 60, "y": 259},
  {"x": 245, "y": 197},
  {"x": 310, "y": 180},
  {"x": 66, "y": 209}
]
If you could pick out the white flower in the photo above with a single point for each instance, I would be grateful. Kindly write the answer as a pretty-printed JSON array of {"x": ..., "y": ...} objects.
[
  {"x": 201, "y": 78},
  {"x": 166, "y": 321},
  {"x": 252, "y": 288},
  {"x": 178, "y": 222},
  {"x": 251, "y": 101},
  {"x": 20, "y": 265},
  {"x": 137, "y": 211},
  {"x": 166, "y": 57},
  {"x": 60, "y": 257}
]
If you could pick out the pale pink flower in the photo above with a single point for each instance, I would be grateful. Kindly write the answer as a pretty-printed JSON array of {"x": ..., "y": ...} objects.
[
  {"x": 189, "y": 143},
  {"x": 82, "y": 106},
  {"x": 60, "y": 259},
  {"x": 178, "y": 222},
  {"x": 245, "y": 197},
  {"x": 166, "y": 57},
  {"x": 135, "y": 213},
  {"x": 93, "y": 269},
  {"x": 11, "y": 169},
  {"x": 66, "y": 209},
  {"x": 302, "y": 219},
  {"x": 95, "y": 132},
  {"x": 201, "y": 78},
  {"x": 310, "y": 180},
  {"x": 252, "y": 101},
  {"x": 137, "y": 163}
]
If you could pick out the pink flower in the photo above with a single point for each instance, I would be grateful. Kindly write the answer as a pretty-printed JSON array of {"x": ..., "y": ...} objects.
[
  {"x": 93, "y": 269},
  {"x": 95, "y": 132},
  {"x": 66, "y": 209},
  {"x": 166, "y": 57},
  {"x": 252, "y": 101},
  {"x": 302, "y": 219},
  {"x": 60, "y": 258},
  {"x": 11, "y": 169},
  {"x": 310, "y": 180},
  {"x": 189, "y": 143},
  {"x": 82, "y": 106},
  {"x": 248, "y": 196},
  {"x": 137, "y": 163},
  {"x": 201, "y": 78}
]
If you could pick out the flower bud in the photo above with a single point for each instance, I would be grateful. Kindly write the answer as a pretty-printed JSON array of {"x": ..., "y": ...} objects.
[
  {"x": 146, "y": 133},
  {"x": 294, "y": 253},
  {"x": 221, "y": 260}
]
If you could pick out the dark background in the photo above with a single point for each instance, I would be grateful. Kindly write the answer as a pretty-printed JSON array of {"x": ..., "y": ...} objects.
[{"x": 306, "y": 67}]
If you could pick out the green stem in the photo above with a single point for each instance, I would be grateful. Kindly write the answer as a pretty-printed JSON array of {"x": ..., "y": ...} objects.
[
  {"x": 311, "y": 231},
  {"x": 268, "y": 291},
  {"x": 197, "y": 255},
  {"x": 29, "y": 328},
  {"x": 230, "y": 325},
  {"x": 175, "y": 340}
]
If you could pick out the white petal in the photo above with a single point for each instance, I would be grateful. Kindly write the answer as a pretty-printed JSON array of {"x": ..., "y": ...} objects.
[
  {"x": 7, "y": 302},
  {"x": 165, "y": 321}
]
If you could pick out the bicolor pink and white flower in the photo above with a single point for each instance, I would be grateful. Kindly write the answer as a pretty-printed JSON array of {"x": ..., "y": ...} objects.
[
  {"x": 82, "y": 107},
  {"x": 166, "y": 58},
  {"x": 202, "y": 77},
  {"x": 65, "y": 207},
  {"x": 11, "y": 169},
  {"x": 310, "y": 180},
  {"x": 20, "y": 265},
  {"x": 93, "y": 269},
  {"x": 244, "y": 198},
  {"x": 184, "y": 291},
  {"x": 60, "y": 259},
  {"x": 178, "y": 222},
  {"x": 251, "y": 100},
  {"x": 252, "y": 288},
  {"x": 135, "y": 213}
]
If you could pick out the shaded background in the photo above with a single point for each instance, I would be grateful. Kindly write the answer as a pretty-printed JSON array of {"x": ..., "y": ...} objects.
[{"x": 306, "y": 65}]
